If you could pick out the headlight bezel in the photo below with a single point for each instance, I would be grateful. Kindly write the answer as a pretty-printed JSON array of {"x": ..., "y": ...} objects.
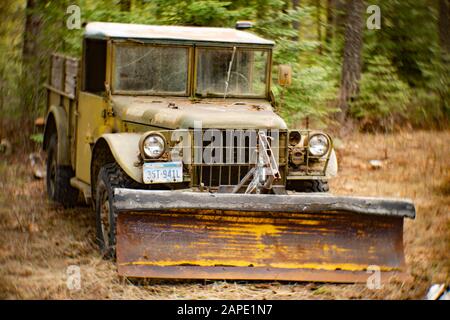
[
  {"x": 142, "y": 141},
  {"x": 328, "y": 144},
  {"x": 294, "y": 137}
]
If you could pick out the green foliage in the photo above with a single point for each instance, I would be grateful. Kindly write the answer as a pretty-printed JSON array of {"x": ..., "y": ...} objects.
[
  {"x": 195, "y": 13},
  {"x": 314, "y": 84},
  {"x": 38, "y": 138},
  {"x": 382, "y": 94},
  {"x": 310, "y": 95},
  {"x": 431, "y": 105},
  {"x": 10, "y": 58},
  {"x": 409, "y": 39}
]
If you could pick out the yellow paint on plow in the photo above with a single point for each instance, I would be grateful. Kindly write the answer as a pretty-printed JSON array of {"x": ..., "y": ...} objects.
[
  {"x": 254, "y": 227},
  {"x": 332, "y": 249},
  {"x": 240, "y": 263}
]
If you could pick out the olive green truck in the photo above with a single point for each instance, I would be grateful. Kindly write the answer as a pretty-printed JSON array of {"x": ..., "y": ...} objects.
[{"x": 172, "y": 134}]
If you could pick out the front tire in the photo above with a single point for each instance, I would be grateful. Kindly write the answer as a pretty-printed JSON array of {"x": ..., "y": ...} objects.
[
  {"x": 58, "y": 178},
  {"x": 110, "y": 176}
]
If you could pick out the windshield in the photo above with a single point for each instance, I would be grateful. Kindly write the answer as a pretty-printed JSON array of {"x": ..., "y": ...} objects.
[
  {"x": 150, "y": 69},
  {"x": 222, "y": 72}
]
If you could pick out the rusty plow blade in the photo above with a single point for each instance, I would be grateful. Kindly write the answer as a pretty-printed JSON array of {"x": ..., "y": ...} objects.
[{"x": 300, "y": 237}]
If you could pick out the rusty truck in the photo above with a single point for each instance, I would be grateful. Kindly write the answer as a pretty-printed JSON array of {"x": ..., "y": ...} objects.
[{"x": 172, "y": 134}]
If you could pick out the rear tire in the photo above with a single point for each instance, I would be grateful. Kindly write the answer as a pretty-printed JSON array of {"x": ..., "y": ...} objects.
[
  {"x": 309, "y": 186},
  {"x": 110, "y": 176},
  {"x": 58, "y": 178}
]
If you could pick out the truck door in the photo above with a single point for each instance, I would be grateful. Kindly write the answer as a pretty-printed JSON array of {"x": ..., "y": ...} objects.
[
  {"x": 89, "y": 121},
  {"x": 91, "y": 105}
]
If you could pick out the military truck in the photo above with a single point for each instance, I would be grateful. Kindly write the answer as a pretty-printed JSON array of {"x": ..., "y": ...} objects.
[{"x": 172, "y": 134}]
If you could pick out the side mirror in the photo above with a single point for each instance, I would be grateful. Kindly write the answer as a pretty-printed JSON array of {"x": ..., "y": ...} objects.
[{"x": 284, "y": 75}]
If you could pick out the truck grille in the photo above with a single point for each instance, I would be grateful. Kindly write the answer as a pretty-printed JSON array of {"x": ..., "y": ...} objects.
[
  {"x": 233, "y": 162},
  {"x": 214, "y": 176}
]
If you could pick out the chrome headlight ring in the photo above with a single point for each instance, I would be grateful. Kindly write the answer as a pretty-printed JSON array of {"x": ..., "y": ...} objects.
[
  {"x": 152, "y": 145},
  {"x": 318, "y": 144}
]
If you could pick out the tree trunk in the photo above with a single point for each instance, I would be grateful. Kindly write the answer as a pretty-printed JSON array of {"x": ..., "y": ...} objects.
[
  {"x": 296, "y": 23},
  {"x": 125, "y": 5},
  {"x": 30, "y": 60},
  {"x": 340, "y": 14},
  {"x": 32, "y": 26},
  {"x": 444, "y": 25},
  {"x": 351, "y": 67},
  {"x": 330, "y": 21}
]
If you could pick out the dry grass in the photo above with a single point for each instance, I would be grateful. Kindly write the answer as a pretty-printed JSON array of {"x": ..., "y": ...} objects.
[{"x": 38, "y": 240}]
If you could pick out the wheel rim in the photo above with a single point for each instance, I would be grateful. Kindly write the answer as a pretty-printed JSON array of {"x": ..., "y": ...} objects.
[{"x": 105, "y": 219}]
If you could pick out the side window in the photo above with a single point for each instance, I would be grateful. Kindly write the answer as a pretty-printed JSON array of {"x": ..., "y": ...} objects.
[{"x": 94, "y": 65}]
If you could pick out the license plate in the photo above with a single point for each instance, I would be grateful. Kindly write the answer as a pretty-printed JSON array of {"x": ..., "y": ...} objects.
[{"x": 162, "y": 172}]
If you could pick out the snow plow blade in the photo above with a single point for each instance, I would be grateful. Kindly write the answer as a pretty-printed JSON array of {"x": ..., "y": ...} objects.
[{"x": 300, "y": 237}]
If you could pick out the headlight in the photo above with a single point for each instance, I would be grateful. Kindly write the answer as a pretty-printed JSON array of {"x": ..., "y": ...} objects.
[
  {"x": 318, "y": 145},
  {"x": 153, "y": 145},
  {"x": 294, "y": 138}
]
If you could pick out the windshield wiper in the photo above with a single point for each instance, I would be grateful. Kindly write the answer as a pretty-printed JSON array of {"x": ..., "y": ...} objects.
[{"x": 227, "y": 81}]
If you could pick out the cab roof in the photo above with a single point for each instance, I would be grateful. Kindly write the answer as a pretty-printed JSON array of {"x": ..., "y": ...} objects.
[{"x": 107, "y": 30}]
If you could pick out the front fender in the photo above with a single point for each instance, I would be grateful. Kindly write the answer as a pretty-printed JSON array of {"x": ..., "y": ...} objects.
[
  {"x": 124, "y": 148},
  {"x": 57, "y": 120},
  {"x": 332, "y": 166}
]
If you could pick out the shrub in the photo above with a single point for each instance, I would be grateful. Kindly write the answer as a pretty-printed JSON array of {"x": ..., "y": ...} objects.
[{"x": 382, "y": 97}]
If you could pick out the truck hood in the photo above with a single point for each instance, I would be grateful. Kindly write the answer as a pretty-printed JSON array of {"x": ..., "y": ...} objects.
[{"x": 181, "y": 112}]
